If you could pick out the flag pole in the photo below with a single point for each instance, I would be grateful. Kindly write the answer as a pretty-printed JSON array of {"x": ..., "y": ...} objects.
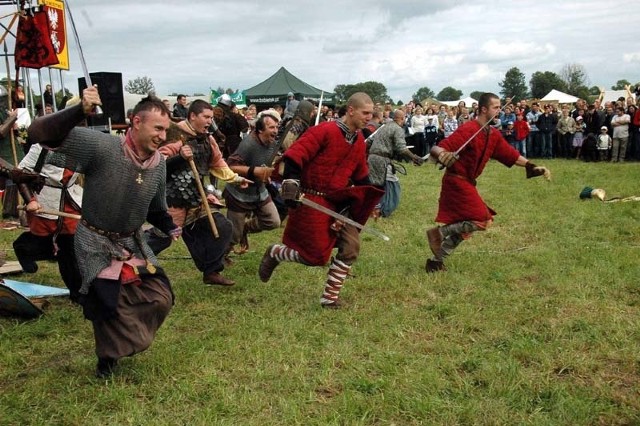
[{"x": 10, "y": 100}]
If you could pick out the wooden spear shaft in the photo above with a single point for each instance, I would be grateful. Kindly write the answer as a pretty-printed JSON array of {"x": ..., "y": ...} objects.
[
  {"x": 203, "y": 196},
  {"x": 53, "y": 213}
]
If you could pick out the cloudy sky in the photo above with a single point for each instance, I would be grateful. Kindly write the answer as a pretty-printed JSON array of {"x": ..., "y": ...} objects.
[{"x": 192, "y": 46}]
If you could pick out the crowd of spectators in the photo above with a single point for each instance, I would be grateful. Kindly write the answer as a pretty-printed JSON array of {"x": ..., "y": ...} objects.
[{"x": 608, "y": 131}]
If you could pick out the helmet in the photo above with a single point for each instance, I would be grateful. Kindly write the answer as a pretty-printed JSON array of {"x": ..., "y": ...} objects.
[{"x": 225, "y": 100}]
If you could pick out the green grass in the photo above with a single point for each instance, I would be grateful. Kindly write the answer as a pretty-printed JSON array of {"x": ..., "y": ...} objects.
[{"x": 536, "y": 322}]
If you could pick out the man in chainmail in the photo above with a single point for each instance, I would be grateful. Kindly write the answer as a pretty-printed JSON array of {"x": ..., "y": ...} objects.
[
  {"x": 251, "y": 209},
  {"x": 185, "y": 205},
  {"x": 387, "y": 144},
  {"x": 125, "y": 293}
]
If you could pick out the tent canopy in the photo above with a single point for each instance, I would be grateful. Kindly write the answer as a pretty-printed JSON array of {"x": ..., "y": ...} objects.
[
  {"x": 560, "y": 97},
  {"x": 613, "y": 95},
  {"x": 274, "y": 90},
  {"x": 468, "y": 101}
]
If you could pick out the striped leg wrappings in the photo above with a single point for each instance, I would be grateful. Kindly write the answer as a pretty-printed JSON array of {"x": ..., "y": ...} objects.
[
  {"x": 338, "y": 272},
  {"x": 273, "y": 256}
]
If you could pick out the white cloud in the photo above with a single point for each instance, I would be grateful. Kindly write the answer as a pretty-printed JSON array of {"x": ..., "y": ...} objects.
[
  {"x": 516, "y": 50},
  {"x": 631, "y": 57}
]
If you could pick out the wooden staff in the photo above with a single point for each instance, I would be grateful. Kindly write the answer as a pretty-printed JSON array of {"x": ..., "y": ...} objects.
[
  {"x": 53, "y": 213},
  {"x": 203, "y": 196}
]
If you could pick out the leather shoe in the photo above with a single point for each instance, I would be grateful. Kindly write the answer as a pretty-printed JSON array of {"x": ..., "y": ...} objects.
[
  {"x": 267, "y": 265},
  {"x": 435, "y": 239},
  {"x": 215, "y": 278},
  {"x": 435, "y": 266}
]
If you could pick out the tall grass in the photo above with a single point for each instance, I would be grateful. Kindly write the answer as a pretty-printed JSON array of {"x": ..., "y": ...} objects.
[{"x": 535, "y": 322}]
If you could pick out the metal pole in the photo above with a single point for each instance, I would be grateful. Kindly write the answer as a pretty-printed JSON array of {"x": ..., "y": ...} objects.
[
  {"x": 27, "y": 79},
  {"x": 13, "y": 141},
  {"x": 41, "y": 92},
  {"x": 53, "y": 92}
]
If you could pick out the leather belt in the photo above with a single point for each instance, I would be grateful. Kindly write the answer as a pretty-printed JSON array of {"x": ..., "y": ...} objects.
[
  {"x": 471, "y": 181},
  {"x": 108, "y": 234},
  {"x": 313, "y": 192}
]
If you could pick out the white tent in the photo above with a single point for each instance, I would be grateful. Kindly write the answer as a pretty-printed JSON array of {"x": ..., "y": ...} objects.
[
  {"x": 613, "y": 95},
  {"x": 131, "y": 99},
  {"x": 559, "y": 97},
  {"x": 468, "y": 101}
]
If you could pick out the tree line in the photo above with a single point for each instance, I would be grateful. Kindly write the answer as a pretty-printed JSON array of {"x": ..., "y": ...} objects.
[{"x": 571, "y": 79}]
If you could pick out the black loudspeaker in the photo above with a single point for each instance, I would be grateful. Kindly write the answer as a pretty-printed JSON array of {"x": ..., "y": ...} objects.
[{"x": 111, "y": 93}]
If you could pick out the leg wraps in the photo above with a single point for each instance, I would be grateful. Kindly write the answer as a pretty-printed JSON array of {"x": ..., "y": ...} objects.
[
  {"x": 338, "y": 272},
  {"x": 449, "y": 244},
  {"x": 282, "y": 253},
  {"x": 454, "y": 234},
  {"x": 459, "y": 228}
]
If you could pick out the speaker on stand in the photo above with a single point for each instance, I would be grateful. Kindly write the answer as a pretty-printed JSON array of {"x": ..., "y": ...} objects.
[{"x": 111, "y": 93}]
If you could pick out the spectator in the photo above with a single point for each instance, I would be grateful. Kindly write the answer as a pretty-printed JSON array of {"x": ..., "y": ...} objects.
[
  {"x": 180, "y": 110},
  {"x": 533, "y": 140},
  {"x": 450, "y": 123},
  {"x": 521, "y": 128},
  {"x": 620, "y": 124},
  {"x": 578, "y": 137},
  {"x": 604, "y": 144},
  {"x": 546, "y": 126},
  {"x": 566, "y": 128}
]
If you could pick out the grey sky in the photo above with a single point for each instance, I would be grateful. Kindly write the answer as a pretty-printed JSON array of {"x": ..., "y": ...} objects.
[{"x": 191, "y": 46}]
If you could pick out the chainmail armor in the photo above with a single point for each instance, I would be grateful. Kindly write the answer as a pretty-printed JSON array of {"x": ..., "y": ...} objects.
[
  {"x": 181, "y": 186},
  {"x": 114, "y": 200},
  {"x": 387, "y": 143}
]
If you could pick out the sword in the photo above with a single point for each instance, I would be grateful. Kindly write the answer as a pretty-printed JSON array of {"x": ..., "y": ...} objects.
[
  {"x": 87, "y": 77},
  {"x": 323, "y": 209}
]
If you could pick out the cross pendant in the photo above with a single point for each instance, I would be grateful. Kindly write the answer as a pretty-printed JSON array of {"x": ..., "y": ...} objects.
[{"x": 139, "y": 179}]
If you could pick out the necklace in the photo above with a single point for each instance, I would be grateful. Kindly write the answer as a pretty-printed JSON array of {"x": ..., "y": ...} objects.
[{"x": 139, "y": 179}]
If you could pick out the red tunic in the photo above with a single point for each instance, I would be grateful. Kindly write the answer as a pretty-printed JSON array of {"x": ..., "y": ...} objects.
[
  {"x": 328, "y": 164},
  {"x": 459, "y": 198}
]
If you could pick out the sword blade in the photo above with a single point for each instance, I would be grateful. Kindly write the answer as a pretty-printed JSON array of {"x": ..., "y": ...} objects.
[{"x": 341, "y": 218}]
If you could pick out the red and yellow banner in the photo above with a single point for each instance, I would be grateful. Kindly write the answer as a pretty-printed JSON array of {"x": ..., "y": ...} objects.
[{"x": 58, "y": 31}]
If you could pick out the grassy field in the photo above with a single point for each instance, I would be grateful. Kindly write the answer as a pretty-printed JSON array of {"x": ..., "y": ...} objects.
[{"x": 535, "y": 322}]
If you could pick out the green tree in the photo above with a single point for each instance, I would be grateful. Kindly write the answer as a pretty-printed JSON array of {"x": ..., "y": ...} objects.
[
  {"x": 621, "y": 85},
  {"x": 542, "y": 83},
  {"x": 575, "y": 77},
  {"x": 449, "y": 94},
  {"x": 594, "y": 91},
  {"x": 476, "y": 94},
  {"x": 377, "y": 91},
  {"x": 514, "y": 85},
  {"x": 140, "y": 86},
  {"x": 422, "y": 94}
]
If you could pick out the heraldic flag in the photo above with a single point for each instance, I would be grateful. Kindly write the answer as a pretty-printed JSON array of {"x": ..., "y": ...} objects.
[{"x": 34, "y": 48}]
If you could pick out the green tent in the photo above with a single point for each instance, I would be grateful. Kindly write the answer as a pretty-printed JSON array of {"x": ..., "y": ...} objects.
[{"x": 274, "y": 90}]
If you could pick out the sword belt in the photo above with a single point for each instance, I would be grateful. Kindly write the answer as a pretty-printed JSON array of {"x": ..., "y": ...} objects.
[
  {"x": 313, "y": 192},
  {"x": 109, "y": 234},
  {"x": 471, "y": 181}
]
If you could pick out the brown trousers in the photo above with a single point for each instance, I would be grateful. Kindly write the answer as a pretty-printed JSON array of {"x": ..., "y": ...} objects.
[{"x": 141, "y": 311}]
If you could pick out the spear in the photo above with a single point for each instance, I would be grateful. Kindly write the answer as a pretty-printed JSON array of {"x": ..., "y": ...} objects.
[
  {"x": 319, "y": 107},
  {"x": 53, "y": 213}
]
